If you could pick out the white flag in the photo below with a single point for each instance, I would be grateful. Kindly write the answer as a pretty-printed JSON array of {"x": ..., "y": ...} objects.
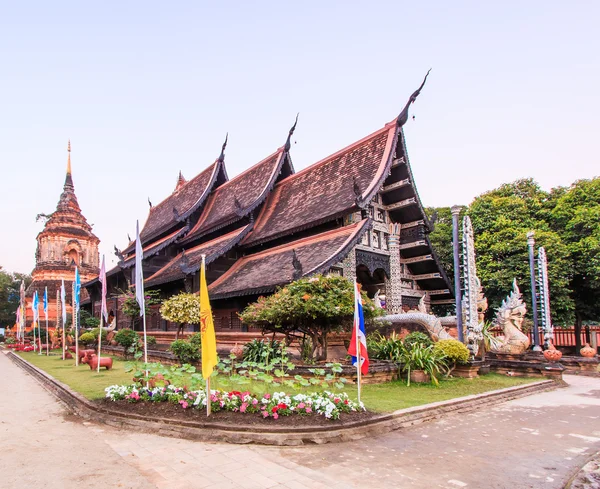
[
  {"x": 102, "y": 279},
  {"x": 139, "y": 274},
  {"x": 62, "y": 302}
]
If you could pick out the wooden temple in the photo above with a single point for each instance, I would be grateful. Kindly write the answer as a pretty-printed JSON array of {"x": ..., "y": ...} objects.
[
  {"x": 355, "y": 213},
  {"x": 66, "y": 242}
]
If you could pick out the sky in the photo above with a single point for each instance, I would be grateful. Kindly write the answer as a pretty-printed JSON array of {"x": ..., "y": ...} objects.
[{"x": 146, "y": 89}]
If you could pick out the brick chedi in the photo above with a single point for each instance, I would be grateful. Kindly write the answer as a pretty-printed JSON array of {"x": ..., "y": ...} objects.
[{"x": 66, "y": 242}]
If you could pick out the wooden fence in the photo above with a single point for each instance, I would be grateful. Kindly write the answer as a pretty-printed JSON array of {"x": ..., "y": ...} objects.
[{"x": 564, "y": 336}]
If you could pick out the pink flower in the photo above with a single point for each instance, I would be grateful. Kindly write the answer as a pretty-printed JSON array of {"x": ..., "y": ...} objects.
[
  {"x": 275, "y": 416},
  {"x": 254, "y": 402},
  {"x": 184, "y": 404},
  {"x": 243, "y": 407},
  {"x": 301, "y": 405},
  {"x": 265, "y": 414},
  {"x": 267, "y": 396},
  {"x": 308, "y": 410}
]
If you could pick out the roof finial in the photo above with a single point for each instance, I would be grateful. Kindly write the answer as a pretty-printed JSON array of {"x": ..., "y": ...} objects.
[
  {"x": 69, "y": 158},
  {"x": 403, "y": 117},
  {"x": 222, "y": 155},
  {"x": 181, "y": 181},
  {"x": 288, "y": 143}
]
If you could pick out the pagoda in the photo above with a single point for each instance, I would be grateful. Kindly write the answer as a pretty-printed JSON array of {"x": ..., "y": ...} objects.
[
  {"x": 66, "y": 242},
  {"x": 355, "y": 213}
]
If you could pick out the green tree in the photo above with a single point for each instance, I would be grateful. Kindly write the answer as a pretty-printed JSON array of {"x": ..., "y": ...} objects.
[
  {"x": 131, "y": 307},
  {"x": 501, "y": 220},
  {"x": 312, "y": 307},
  {"x": 10, "y": 284},
  {"x": 577, "y": 218},
  {"x": 183, "y": 309}
]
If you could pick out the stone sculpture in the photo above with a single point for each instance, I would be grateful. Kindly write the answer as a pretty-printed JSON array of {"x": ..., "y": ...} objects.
[
  {"x": 430, "y": 322},
  {"x": 510, "y": 317},
  {"x": 92, "y": 361},
  {"x": 472, "y": 291}
]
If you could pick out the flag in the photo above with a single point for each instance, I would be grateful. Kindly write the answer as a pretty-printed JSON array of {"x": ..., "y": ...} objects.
[
  {"x": 34, "y": 307},
  {"x": 46, "y": 303},
  {"x": 77, "y": 289},
  {"x": 207, "y": 327},
  {"x": 102, "y": 278},
  {"x": 62, "y": 303},
  {"x": 358, "y": 330},
  {"x": 139, "y": 273}
]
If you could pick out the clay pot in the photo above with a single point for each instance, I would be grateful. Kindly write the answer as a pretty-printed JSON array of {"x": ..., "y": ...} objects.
[
  {"x": 587, "y": 351},
  {"x": 419, "y": 376},
  {"x": 552, "y": 355},
  {"x": 237, "y": 350}
]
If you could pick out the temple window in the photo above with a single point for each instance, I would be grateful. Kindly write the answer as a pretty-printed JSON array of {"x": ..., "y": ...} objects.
[
  {"x": 375, "y": 239},
  {"x": 365, "y": 239},
  {"x": 379, "y": 215},
  {"x": 384, "y": 242},
  {"x": 73, "y": 257}
]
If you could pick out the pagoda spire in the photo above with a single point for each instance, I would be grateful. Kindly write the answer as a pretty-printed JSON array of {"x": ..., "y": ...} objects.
[
  {"x": 69, "y": 179},
  {"x": 181, "y": 181}
]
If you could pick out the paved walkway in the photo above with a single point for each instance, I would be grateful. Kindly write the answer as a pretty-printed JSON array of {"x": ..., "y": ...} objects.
[{"x": 534, "y": 442}]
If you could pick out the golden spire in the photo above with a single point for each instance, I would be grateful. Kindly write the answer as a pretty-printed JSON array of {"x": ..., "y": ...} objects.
[{"x": 69, "y": 158}]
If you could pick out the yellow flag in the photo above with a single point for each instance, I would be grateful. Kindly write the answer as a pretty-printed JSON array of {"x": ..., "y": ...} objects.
[{"x": 207, "y": 328}]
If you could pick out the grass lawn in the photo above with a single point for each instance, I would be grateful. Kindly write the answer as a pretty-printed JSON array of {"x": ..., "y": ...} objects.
[
  {"x": 90, "y": 384},
  {"x": 386, "y": 397},
  {"x": 391, "y": 396}
]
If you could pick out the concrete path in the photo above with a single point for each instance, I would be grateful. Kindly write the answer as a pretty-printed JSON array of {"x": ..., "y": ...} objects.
[{"x": 534, "y": 442}]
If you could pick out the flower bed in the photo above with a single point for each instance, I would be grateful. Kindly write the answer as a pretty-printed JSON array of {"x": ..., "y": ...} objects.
[{"x": 325, "y": 403}]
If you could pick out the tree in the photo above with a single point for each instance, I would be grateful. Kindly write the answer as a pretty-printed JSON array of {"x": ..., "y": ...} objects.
[
  {"x": 10, "y": 284},
  {"x": 182, "y": 309},
  {"x": 312, "y": 307},
  {"x": 577, "y": 217},
  {"x": 131, "y": 307}
]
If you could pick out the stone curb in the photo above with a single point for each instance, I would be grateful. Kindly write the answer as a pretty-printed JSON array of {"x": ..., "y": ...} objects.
[{"x": 278, "y": 436}]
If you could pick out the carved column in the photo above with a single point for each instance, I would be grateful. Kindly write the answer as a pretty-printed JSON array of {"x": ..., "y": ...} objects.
[
  {"x": 393, "y": 284},
  {"x": 349, "y": 265}
]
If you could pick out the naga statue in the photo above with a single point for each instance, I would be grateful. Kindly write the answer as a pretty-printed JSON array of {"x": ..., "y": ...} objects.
[{"x": 510, "y": 317}]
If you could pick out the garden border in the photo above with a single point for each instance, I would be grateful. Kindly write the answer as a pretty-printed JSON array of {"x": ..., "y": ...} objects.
[{"x": 276, "y": 435}]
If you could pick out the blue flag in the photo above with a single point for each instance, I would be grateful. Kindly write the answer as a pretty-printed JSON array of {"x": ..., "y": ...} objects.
[
  {"x": 46, "y": 302},
  {"x": 77, "y": 289},
  {"x": 35, "y": 305}
]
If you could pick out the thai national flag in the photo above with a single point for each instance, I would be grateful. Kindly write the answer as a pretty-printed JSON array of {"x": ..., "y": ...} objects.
[{"x": 359, "y": 330}]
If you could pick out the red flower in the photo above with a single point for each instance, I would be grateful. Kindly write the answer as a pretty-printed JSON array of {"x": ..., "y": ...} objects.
[
  {"x": 281, "y": 405},
  {"x": 275, "y": 408}
]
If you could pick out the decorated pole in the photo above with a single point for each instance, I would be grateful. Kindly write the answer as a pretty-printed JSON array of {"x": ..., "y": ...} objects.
[
  {"x": 547, "y": 327},
  {"x": 63, "y": 309},
  {"x": 46, "y": 316},
  {"x": 457, "y": 292},
  {"x": 474, "y": 329},
  {"x": 102, "y": 278},
  {"x": 57, "y": 324},
  {"x": 536, "y": 332},
  {"x": 34, "y": 311},
  {"x": 74, "y": 324},
  {"x": 207, "y": 334}
]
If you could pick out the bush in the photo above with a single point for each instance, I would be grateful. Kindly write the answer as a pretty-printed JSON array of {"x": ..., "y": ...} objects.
[
  {"x": 44, "y": 334},
  {"x": 426, "y": 358},
  {"x": 417, "y": 337},
  {"x": 185, "y": 351},
  {"x": 261, "y": 351},
  {"x": 150, "y": 340},
  {"x": 126, "y": 338},
  {"x": 454, "y": 351},
  {"x": 95, "y": 333},
  {"x": 382, "y": 348},
  {"x": 88, "y": 338},
  {"x": 10, "y": 340},
  {"x": 196, "y": 340}
]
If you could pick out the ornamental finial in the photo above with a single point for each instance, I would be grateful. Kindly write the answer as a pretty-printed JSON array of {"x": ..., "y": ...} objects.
[
  {"x": 403, "y": 117},
  {"x": 69, "y": 158},
  {"x": 288, "y": 143},
  {"x": 222, "y": 155}
]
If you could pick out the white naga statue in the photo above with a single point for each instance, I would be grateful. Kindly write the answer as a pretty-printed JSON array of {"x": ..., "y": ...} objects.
[{"x": 510, "y": 317}]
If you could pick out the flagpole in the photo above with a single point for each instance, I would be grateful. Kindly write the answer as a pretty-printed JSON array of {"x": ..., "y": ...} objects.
[
  {"x": 74, "y": 322},
  {"x": 46, "y": 315},
  {"x": 57, "y": 324},
  {"x": 358, "y": 365},
  {"x": 34, "y": 310},
  {"x": 40, "y": 335},
  {"x": 100, "y": 339},
  {"x": 64, "y": 334},
  {"x": 203, "y": 269}
]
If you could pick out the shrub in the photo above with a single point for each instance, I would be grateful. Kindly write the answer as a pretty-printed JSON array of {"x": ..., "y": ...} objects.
[
  {"x": 185, "y": 351},
  {"x": 126, "y": 338},
  {"x": 10, "y": 340},
  {"x": 417, "y": 337},
  {"x": 382, "y": 348},
  {"x": 196, "y": 340},
  {"x": 150, "y": 340},
  {"x": 454, "y": 351},
  {"x": 88, "y": 338},
  {"x": 426, "y": 358},
  {"x": 95, "y": 333},
  {"x": 261, "y": 351},
  {"x": 42, "y": 332}
]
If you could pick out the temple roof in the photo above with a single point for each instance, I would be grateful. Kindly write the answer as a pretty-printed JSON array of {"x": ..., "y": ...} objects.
[
  {"x": 189, "y": 261},
  {"x": 263, "y": 272},
  {"x": 155, "y": 247},
  {"x": 329, "y": 189},
  {"x": 239, "y": 196},
  {"x": 186, "y": 198}
]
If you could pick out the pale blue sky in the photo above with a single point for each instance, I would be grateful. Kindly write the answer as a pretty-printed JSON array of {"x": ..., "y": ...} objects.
[{"x": 144, "y": 89}]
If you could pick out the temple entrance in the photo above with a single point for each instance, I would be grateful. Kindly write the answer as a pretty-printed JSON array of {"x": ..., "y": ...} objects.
[{"x": 371, "y": 283}]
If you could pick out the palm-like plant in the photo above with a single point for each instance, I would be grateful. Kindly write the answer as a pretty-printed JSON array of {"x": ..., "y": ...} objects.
[{"x": 420, "y": 357}]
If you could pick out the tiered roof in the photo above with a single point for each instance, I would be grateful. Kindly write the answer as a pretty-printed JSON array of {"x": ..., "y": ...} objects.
[
  {"x": 263, "y": 272},
  {"x": 329, "y": 189},
  {"x": 189, "y": 260},
  {"x": 239, "y": 196}
]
